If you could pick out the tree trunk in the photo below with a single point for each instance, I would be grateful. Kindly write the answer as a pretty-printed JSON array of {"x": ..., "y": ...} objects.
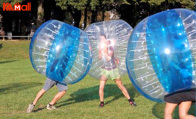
[
  {"x": 7, "y": 21},
  {"x": 166, "y": 4},
  {"x": 77, "y": 18},
  {"x": 76, "y": 14},
  {"x": 85, "y": 17},
  {"x": 103, "y": 13},
  {"x": 94, "y": 16}
]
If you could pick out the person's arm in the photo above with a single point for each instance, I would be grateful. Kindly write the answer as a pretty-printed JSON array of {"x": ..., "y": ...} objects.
[
  {"x": 117, "y": 61},
  {"x": 100, "y": 54},
  {"x": 109, "y": 54},
  {"x": 102, "y": 50}
]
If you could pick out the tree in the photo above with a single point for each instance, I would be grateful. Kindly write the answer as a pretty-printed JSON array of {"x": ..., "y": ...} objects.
[
  {"x": 140, "y": 9},
  {"x": 18, "y": 22},
  {"x": 10, "y": 1},
  {"x": 105, "y": 5},
  {"x": 75, "y": 7},
  {"x": 7, "y": 18}
]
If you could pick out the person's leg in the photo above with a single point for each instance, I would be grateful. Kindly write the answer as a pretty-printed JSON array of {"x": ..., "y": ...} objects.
[
  {"x": 38, "y": 96},
  {"x": 183, "y": 110},
  {"x": 169, "y": 108},
  {"x": 124, "y": 91},
  {"x": 58, "y": 96},
  {"x": 62, "y": 90},
  {"x": 48, "y": 84},
  {"x": 101, "y": 89},
  {"x": 122, "y": 88},
  {"x": 115, "y": 75}
]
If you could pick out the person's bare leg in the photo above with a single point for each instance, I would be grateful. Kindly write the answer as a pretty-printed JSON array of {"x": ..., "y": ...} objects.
[
  {"x": 122, "y": 88},
  {"x": 169, "y": 108},
  {"x": 101, "y": 88},
  {"x": 58, "y": 96},
  {"x": 39, "y": 95},
  {"x": 183, "y": 110}
]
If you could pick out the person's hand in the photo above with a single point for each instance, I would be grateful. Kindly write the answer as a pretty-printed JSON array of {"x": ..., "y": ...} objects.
[
  {"x": 117, "y": 61},
  {"x": 101, "y": 53}
]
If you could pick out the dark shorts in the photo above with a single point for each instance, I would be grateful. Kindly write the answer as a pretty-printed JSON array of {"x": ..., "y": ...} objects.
[
  {"x": 178, "y": 97},
  {"x": 50, "y": 83}
]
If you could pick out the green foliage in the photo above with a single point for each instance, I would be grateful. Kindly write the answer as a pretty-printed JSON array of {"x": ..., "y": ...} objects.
[
  {"x": 94, "y": 4},
  {"x": 155, "y": 2},
  {"x": 186, "y": 3},
  {"x": 82, "y": 4},
  {"x": 75, "y": 7},
  {"x": 10, "y": 1},
  {"x": 77, "y": 4},
  {"x": 68, "y": 18}
]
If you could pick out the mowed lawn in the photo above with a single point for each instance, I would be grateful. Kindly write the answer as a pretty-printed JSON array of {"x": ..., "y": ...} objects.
[{"x": 19, "y": 84}]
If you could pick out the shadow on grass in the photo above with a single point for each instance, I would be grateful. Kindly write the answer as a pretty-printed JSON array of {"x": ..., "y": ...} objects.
[
  {"x": 9, "y": 61},
  {"x": 158, "y": 111},
  {"x": 39, "y": 109},
  {"x": 16, "y": 87},
  {"x": 92, "y": 93},
  {"x": 1, "y": 45}
]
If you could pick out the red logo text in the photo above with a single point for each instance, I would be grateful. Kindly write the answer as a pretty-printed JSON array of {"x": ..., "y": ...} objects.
[{"x": 16, "y": 7}]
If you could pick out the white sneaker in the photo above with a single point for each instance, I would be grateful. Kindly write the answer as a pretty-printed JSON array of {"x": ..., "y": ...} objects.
[
  {"x": 50, "y": 107},
  {"x": 30, "y": 108}
]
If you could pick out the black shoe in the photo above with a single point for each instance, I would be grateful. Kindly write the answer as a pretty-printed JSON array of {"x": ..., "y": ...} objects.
[
  {"x": 132, "y": 103},
  {"x": 101, "y": 104}
]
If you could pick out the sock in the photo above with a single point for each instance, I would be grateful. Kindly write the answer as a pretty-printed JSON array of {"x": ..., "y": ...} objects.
[
  {"x": 50, "y": 104},
  {"x": 130, "y": 100}
]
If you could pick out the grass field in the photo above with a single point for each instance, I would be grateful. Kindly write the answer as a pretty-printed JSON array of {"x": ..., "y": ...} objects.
[{"x": 19, "y": 84}]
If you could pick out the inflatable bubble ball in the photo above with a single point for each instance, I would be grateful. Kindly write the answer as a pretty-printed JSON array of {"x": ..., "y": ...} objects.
[
  {"x": 60, "y": 52},
  {"x": 161, "y": 53},
  {"x": 108, "y": 41}
]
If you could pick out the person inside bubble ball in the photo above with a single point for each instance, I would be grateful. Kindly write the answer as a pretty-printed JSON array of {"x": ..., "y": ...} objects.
[
  {"x": 49, "y": 84},
  {"x": 183, "y": 100},
  {"x": 109, "y": 68}
]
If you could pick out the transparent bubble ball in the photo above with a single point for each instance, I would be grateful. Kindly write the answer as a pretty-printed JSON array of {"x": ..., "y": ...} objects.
[
  {"x": 116, "y": 34},
  {"x": 161, "y": 53},
  {"x": 60, "y": 52}
]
